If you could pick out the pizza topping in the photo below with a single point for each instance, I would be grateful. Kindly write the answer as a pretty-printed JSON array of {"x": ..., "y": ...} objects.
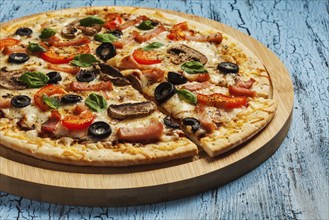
[
  {"x": 116, "y": 33},
  {"x": 96, "y": 102},
  {"x": 14, "y": 49},
  {"x": 52, "y": 123},
  {"x": 153, "y": 46},
  {"x": 193, "y": 67},
  {"x": 110, "y": 73},
  {"x": 56, "y": 42},
  {"x": 84, "y": 60},
  {"x": 240, "y": 91},
  {"x": 131, "y": 110},
  {"x": 193, "y": 123},
  {"x": 34, "y": 79},
  {"x": 11, "y": 79},
  {"x": 164, "y": 91},
  {"x": 105, "y": 38},
  {"x": 20, "y": 101},
  {"x": 18, "y": 58},
  {"x": 87, "y": 75},
  {"x": 71, "y": 99},
  {"x": 5, "y": 103},
  {"x": 48, "y": 90},
  {"x": 78, "y": 121},
  {"x": 52, "y": 102},
  {"x": 194, "y": 86},
  {"x": 149, "y": 35},
  {"x": 69, "y": 31},
  {"x": 113, "y": 21},
  {"x": 64, "y": 54},
  {"x": 145, "y": 25},
  {"x": 34, "y": 47},
  {"x": 6, "y": 42},
  {"x": 176, "y": 78},
  {"x": 24, "y": 31},
  {"x": 106, "y": 51},
  {"x": 54, "y": 77},
  {"x": 212, "y": 38},
  {"x": 99, "y": 130},
  {"x": 24, "y": 124},
  {"x": 181, "y": 53},
  {"x": 66, "y": 69},
  {"x": 222, "y": 101},
  {"x": 47, "y": 33},
  {"x": 91, "y": 21},
  {"x": 81, "y": 86},
  {"x": 154, "y": 74},
  {"x": 187, "y": 96},
  {"x": 145, "y": 135},
  {"x": 170, "y": 123},
  {"x": 228, "y": 67},
  {"x": 146, "y": 57},
  {"x": 245, "y": 84},
  {"x": 132, "y": 22}
]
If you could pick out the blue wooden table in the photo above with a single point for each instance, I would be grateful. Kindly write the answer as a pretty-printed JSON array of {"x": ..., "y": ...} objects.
[{"x": 294, "y": 182}]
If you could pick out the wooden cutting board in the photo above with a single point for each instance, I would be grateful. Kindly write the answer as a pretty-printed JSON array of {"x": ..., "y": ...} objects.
[{"x": 102, "y": 186}]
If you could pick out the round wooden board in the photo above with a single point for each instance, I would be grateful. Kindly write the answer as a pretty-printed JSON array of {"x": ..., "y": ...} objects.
[{"x": 103, "y": 186}]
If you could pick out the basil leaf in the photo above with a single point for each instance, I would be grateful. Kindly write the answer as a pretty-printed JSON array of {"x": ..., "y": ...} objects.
[
  {"x": 193, "y": 67},
  {"x": 84, "y": 60},
  {"x": 145, "y": 25},
  {"x": 34, "y": 79},
  {"x": 47, "y": 33},
  {"x": 34, "y": 47},
  {"x": 52, "y": 102},
  {"x": 187, "y": 96},
  {"x": 90, "y": 21},
  {"x": 105, "y": 38},
  {"x": 96, "y": 102},
  {"x": 153, "y": 46}
]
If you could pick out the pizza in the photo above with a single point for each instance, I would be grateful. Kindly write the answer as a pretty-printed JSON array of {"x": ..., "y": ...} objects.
[{"x": 122, "y": 86}]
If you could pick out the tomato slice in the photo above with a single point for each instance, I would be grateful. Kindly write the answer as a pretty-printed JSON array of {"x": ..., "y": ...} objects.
[
  {"x": 240, "y": 91},
  {"x": 49, "y": 90},
  {"x": 8, "y": 42},
  {"x": 78, "y": 122},
  {"x": 222, "y": 101},
  {"x": 145, "y": 57},
  {"x": 52, "y": 56},
  {"x": 113, "y": 22}
]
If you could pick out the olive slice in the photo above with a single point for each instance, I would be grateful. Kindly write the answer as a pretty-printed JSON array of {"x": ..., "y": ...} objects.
[
  {"x": 86, "y": 76},
  {"x": 164, "y": 91},
  {"x": 106, "y": 51},
  {"x": 99, "y": 130},
  {"x": 193, "y": 122},
  {"x": 170, "y": 123},
  {"x": 71, "y": 98},
  {"x": 24, "y": 31},
  {"x": 176, "y": 78},
  {"x": 54, "y": 77},
  {"x": 18, "y": 58},
  {"x": 116, "y": 33},
  {"x": 20, "y": 101},
  {"x": 228, "y": 67}
]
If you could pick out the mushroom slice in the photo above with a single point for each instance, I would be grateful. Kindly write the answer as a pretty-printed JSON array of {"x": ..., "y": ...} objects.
[
  {"x": 70, "y": 31},
  {"x": 131, "y": 110},
  {"x": 110, "y": 73},
  {"x": 181, "y": 53},
  {"x": 10, "y": 79}
]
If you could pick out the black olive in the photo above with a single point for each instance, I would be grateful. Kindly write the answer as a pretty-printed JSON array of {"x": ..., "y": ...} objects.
[
  {"x": 24, "y": 32},
  {"x": 18, "y": 58},
  {"x": 20, "y": 101},
  {"x": 164, "y": 91},
  {"x": 106, "y": 51},
  {"x": 86, "y": 76},
  {"x": 71, "y": 98},
  {"x": 170, "y": 123},
  {"x": 99, "y": 130},
  {"x": 176, "y": 78},
  {"x": 54, "y": 77},
  {"x": 194, "y": 123},
  {"x": 154, "y": 23},
  {"x": 116, "y": 33},
  {"x": 228, "y": 67}
]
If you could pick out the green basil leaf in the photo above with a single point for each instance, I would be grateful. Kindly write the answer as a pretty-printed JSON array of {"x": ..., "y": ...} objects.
[
  {"x": 105, "y": 38},
  {"x": 47, "y": 33},
  {"x": 90, "y": 21},
  {"x": 96, "y": 102},
  {"x": 84, "y": 60},
  {"x": 145, "y": 25},
  {"x": 193, "y": 67},
  {"x": 187, "y": 96},
  {"x": 52, "y": 102},
  {"x": 153, "y": 46},
  {"x": 34, "y": 47},
  {"x": 34, "y": 79}
]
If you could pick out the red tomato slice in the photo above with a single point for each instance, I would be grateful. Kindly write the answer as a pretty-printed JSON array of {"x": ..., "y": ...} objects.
[
  {"x": 239, "y": 91},
  {"x": 49, "y": 90},
  {"x": 114, "y": 21},
  {"x": 78, "y": 122},
  {"x": 8, "y": 42},
  {"x": 145, "y": 57},
  {"x": 52, "y": 57},
  {"x": 222, "y": 101}
]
